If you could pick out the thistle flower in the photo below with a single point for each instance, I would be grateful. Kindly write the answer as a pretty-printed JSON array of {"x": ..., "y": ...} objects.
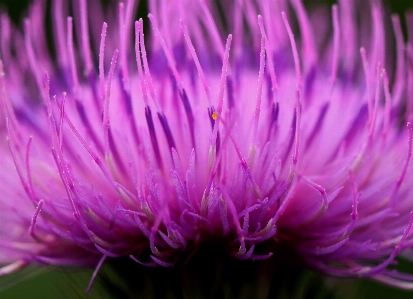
[{"x": 255, "y": 139}]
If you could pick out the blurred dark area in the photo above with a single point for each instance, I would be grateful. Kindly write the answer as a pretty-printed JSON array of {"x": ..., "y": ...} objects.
[{"x": 17, "y": 8}]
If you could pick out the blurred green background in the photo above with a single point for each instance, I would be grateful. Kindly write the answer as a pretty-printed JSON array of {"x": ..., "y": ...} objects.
[
  {"x": 39, "y": 283},
  {"x": 239, "y": 279}
]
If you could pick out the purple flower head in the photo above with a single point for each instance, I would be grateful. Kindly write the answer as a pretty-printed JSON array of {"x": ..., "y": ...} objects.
[{"x": 119, "y": 145}]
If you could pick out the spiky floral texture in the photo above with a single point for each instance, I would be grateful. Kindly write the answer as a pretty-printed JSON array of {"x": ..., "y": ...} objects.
[{"x": 256, "y": 138}]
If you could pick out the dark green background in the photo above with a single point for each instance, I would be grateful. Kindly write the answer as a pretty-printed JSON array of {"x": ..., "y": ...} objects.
[
  {"x": 49, "y": 284},
  {"x": 16, "y": 8}
]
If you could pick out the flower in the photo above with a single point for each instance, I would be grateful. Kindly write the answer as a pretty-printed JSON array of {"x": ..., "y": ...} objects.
[{"x": 254, "y": 139}]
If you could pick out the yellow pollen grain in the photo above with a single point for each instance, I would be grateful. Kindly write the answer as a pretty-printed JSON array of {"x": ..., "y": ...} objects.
[{"x": 214, "y": 115}]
